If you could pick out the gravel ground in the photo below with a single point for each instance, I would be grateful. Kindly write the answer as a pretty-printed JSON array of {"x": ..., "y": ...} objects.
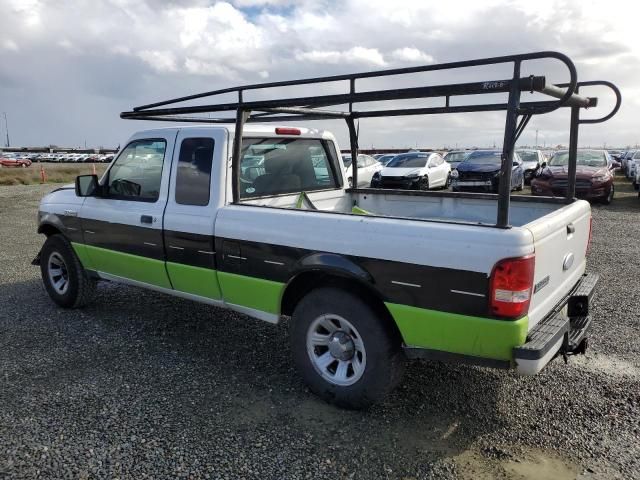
[{"x": 142, "y": 385}]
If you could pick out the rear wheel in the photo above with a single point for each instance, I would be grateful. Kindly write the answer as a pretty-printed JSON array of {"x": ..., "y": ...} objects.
[
  {"x": 64, "y": 278},
  {"x": 344, "y": 350}
]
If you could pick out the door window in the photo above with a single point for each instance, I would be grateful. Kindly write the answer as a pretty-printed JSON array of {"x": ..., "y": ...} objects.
[
  {"x": 193, "y": 175},
  {"x": 137, "y": 172}
]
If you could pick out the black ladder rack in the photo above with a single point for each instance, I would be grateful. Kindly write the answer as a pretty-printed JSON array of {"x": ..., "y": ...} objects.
[{"x": 284, "y": 110}]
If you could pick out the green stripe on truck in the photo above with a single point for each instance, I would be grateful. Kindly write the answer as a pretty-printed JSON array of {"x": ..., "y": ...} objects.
[
  {"x": 451, "y": 332},
  {"x": 134, "y": 267},
  {"x": 251, "y": 292},
  {"x": 194, "y": 280}
]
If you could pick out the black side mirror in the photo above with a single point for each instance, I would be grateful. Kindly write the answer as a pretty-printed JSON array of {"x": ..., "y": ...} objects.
[
  {"x": 87, "y": 185},
  {"x": 614, "y": 165},
  {"x": 543, "y": 165}
]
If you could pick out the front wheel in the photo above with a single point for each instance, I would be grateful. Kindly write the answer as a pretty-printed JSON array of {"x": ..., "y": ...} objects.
[
  {"x": 424, "y": 183},
  {"x": 609, "y": 198},
  {"x": 447, "y": 182},
  {"x": 345, "y": 350},
  {"x": 64, "y": 278}
]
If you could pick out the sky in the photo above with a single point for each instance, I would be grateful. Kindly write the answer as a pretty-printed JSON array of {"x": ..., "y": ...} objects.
[{"x": 68, "y": 68}]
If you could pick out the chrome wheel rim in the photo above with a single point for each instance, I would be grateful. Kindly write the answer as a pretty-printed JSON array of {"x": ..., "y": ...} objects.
[
  {"x": 336, "y": 350},
  {"x": 58, "y": 273}
]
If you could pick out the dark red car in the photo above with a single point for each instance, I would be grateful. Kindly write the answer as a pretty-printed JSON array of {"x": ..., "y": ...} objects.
[
  {"x": 12, "y": 161},
  {"x": 594, "y": 176}
]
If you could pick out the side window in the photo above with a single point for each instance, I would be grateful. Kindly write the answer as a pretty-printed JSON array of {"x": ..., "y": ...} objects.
[
  {"x": 193, "y": 174},
  {"x": 273, "y": 166},
  {"x": 137, "y": 172}
]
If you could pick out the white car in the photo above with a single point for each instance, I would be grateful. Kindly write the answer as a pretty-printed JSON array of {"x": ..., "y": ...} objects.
[
  {"x": 367, "y": 167},
  {"x": 414, "y": 171},
  {"x": 632, "y": 165}
]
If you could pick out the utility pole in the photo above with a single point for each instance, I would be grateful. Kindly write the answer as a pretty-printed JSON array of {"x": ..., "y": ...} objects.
[
  {"x": 536, "y": 138},
  {"x": 6, "y": 127}
]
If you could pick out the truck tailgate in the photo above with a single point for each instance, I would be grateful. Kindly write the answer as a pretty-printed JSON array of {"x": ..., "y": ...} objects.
[{"x": 560, "y": 242}]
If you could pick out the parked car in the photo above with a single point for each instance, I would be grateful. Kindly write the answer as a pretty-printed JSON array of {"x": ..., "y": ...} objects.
[
  {"x": 455, "y": 157},
  {"x": 628, "y": 155},
  {"x": 7, "y": 160},
  {"x": 480, "y": 171},
  {"x": 615, "y": 154},
  {"x": 594, "y": 176},
  {"x": 415, "y": 171},
  {"x": 531, "y": 161},
  {"x": 632, "y": 165},
  {"x": 367, "y": 167}
]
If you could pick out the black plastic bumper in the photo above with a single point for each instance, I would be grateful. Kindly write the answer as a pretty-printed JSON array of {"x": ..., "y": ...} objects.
[{"x": 557, "y": 333}]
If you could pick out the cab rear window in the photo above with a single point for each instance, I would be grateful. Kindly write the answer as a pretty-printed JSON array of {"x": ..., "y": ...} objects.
[{"x": 274, "y": 166}]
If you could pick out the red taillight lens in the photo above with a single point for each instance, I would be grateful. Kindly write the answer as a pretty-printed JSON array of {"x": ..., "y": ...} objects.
[
  {"x": 590, "y": 232},
  {"x": 287, "y": 131},
  {"x": 511, "y": 285}
]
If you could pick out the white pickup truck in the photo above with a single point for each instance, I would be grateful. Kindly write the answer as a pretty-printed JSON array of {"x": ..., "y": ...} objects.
[{"x": 261, "y": 223}]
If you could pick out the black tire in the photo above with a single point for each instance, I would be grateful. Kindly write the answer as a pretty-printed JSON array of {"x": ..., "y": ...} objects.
[
  {"x": 385, "y": 360},
  {"x": 423, "y": 183},
  {"x": 635, "y": 185},
  {"x": 520, "y": 187},
  {"x": 81, "y": 288},
  {"x": 609, "y": 198},
  {"x": 447, "y": 182}
]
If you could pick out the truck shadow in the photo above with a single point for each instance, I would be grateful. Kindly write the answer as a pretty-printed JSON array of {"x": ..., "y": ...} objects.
[{"x": 198, "y": 368}]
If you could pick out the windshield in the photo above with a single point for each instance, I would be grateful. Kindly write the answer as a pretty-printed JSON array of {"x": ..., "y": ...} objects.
[
  {"x": 485, "y": 158},
  {"x": 588, "y": 158},
  {"x": 408, "y": 161},
  {"x": 528, "y": 156},
  {"x": 455, "y": 156}
]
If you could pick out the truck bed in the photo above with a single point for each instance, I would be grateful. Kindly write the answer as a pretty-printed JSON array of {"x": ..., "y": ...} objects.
[{"x": 456, "y": 208}]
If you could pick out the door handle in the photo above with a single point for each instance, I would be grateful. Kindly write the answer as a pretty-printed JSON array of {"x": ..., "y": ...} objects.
[
  {"x": 146, "y": 219},
  {"x": 571, "y": 229}
]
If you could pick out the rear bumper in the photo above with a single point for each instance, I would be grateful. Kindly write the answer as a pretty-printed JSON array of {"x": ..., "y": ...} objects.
[{"x": 564, "y": 331}]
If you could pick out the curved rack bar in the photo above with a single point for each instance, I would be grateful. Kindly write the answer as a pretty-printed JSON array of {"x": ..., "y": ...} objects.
[{"x": 616, "y": 107}]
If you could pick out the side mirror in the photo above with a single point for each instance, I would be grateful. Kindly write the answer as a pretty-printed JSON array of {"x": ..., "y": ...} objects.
[
  {"x": 614, "y": 165},
  {"x": 543, "y": 165},
  {"x": 86, "y": 185}
]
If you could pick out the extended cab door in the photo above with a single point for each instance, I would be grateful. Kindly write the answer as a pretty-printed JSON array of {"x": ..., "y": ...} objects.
[
  {"x": 197, "y": 191},
  {"x": 122, "y": 229}
]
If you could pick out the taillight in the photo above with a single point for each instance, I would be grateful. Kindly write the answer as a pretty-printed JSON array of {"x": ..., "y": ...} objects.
[
  {"x": 511, "y": 285},
  {"x": 590, "y": 232},
  {"x": 287, "y": 131}
]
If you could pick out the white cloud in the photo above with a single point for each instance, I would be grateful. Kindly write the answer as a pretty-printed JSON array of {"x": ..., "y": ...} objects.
[
  {"x": 10, "y": 45},
  {"x": 355, "y": 55},
  {"x": 161, "y": 61},
  {"x": 410, "y": 54}
]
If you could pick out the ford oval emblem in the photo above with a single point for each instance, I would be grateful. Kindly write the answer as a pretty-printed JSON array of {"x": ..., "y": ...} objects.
[{"x": 567, "y": 262}]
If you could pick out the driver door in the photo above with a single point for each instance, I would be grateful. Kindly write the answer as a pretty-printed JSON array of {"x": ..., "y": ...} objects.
[{"x": 122, "y": 228}]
